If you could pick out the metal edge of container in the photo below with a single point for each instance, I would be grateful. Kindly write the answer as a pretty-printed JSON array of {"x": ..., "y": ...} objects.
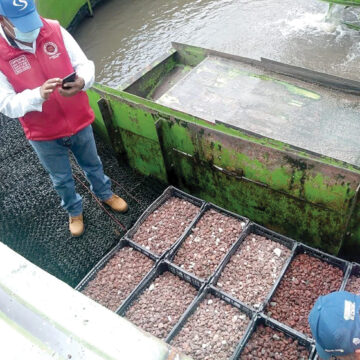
[
  {"x": 124, "y": 86},
  {"x": 208, "y": 289},
  {"x": 301, "y": 248},
  {"x": 160, "y": 268},
  {"x": 173, "y": 251},
  {"x": 268, "y": 322},
  {"x": 268, "y": 234},
  {"x": 167, "y": 194}
]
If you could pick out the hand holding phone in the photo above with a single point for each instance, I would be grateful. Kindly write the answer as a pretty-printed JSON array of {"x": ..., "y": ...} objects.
[
  {"x": 68, "y": 79},
  {"x": 77, "y": 85}
]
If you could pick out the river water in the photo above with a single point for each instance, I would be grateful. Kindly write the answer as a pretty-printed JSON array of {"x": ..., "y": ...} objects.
[{"x": 127, "y": 35}]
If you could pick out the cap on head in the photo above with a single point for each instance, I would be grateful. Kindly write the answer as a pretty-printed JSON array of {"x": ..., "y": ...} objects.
[
  {"x": 335, "y": 324},
  {"x": 22, "y": 14}
]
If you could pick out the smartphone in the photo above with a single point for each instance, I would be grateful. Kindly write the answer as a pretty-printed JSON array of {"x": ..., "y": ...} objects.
[{"x": 67, "y": 79}]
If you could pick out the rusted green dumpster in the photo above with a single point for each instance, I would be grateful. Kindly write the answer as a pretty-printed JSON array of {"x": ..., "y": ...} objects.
[{"x": 269, "y": 141}]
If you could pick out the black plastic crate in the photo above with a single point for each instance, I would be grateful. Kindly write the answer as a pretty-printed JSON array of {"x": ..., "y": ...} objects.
[
  {"x": 208, "y": 206},
  {"x": 304, "y": 249},
  {"x": 330, "y": 259},
  {"x": 161, "y": 267},
  {"x": 167, "y": 194},
  {"x": 208, "y": 289},
  {"x": 266, "y": 321},
  {"x": 253, "y": 228},
  {"x": 354, "y": 270},
  {"x": 101, "y": 264},
  {"x": 143, "y": 250}
]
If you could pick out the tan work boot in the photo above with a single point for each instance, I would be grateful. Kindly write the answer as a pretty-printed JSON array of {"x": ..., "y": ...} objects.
[
  {"x": 76, "y": 225},
  {"x": 117, "y": 203}
]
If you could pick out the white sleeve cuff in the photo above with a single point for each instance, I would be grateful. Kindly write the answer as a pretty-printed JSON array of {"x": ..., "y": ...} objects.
[
  {"x": 87, "y": 72},
  {"x": 35, "y": 99}
]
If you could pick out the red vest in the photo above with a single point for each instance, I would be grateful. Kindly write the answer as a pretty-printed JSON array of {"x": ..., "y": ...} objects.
[{"x": 60, "y": 116}]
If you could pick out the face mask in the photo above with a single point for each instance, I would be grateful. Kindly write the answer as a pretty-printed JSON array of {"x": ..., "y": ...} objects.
[{"x": 28, "y": 37}]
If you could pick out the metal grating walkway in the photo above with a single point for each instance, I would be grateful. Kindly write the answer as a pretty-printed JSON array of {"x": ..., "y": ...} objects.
[{"x": 33, "y": 223}]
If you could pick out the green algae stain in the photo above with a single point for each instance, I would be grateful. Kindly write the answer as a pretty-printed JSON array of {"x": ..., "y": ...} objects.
[
  {"x": 296, "y": 90},
  {"x": 319, "y": 191}
]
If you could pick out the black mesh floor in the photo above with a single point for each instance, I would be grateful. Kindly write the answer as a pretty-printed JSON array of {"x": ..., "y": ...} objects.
[{"x": 33, "y": 223}]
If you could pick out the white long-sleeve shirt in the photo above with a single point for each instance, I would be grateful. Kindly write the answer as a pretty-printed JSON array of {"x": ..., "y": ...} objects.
[{"x": 16, "y": 105}]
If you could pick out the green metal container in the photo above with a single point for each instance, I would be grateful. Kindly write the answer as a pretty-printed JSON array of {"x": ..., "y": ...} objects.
[
  {"x": 68, "y": 13},
  {"x": 174, "y": 122},
  {"x": 163, "y": 123}
]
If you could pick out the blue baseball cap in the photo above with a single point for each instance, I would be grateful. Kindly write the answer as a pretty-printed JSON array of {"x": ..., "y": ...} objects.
[
  {"x": 335, "y": 324},
  {"x": 22, "y": 14}
]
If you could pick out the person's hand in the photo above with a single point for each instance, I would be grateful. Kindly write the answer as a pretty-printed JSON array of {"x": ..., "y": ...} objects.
[
  {"x": 48, "y": 87},
  {"x": 72, "y": 88}
]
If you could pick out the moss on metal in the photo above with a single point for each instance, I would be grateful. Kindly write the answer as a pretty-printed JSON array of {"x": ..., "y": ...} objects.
[{"x": 293, "y": 192}]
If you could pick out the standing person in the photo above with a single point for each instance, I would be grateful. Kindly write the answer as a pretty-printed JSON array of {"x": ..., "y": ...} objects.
[
  {"x": 335, "y": 324},
  {"x": 35, "y": 55}
]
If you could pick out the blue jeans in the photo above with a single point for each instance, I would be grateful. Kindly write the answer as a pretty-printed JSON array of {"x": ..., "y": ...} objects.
[{"x": 54, "y": 156}]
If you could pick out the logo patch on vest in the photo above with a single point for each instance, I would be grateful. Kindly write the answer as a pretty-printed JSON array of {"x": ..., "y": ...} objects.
[
  {"x": 20, "y": 64},
  {"x": 52, "y": 50}
]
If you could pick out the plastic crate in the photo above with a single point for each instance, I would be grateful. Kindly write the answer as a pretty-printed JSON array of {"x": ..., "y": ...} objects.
[
  {"x": 253, "y": 228},
  {"x": 266, "y": 321},
  {"x": 330, "y": 259},
  {"x": 101, "y": 264},
  {"x": 161, "y": 267},
  {"x": 208, "y": 206},
  {"x": 192, "y": 308},
  {"x": 354, "y": 269},
  {"x": 167, "y": 194}
]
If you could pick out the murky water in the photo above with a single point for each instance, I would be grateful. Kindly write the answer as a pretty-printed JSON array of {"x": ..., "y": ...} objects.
[{"x": 126, "y": 35}]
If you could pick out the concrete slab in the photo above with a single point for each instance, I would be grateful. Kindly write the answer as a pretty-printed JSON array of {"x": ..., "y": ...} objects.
[
  {"x": 45, "y": 318},
  {"x": 304, "y": 115},
  {"x": 19, "y": 342}
]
